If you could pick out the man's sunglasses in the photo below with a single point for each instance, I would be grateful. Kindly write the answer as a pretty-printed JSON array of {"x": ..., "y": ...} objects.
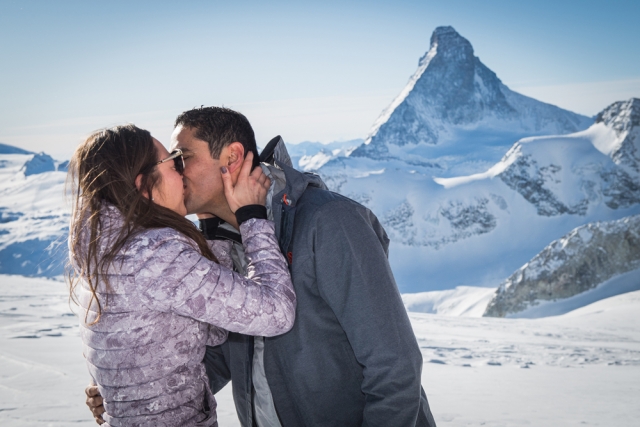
[{"x": 178, "y": 160}]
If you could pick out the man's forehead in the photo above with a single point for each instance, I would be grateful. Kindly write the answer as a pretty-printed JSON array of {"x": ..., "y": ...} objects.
[{"x": 185, "y": 139}]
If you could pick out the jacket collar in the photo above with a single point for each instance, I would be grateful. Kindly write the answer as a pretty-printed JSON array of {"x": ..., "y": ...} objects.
[{"x": 287, "y": 186}]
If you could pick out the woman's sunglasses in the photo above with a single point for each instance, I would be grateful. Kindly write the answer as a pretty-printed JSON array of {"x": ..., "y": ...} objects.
[{"x": 178, "y": 160}]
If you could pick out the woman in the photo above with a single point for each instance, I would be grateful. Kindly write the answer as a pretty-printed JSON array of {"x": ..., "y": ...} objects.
[{"x": 153, "y": 293}]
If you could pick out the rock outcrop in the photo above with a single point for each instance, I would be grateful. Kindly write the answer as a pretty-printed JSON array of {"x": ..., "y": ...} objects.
[
  {"x": 579, "y": 261},
  {"x": 39, "y": 163}
]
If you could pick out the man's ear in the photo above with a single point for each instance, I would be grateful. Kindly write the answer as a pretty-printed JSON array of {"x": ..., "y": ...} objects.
[
  {"x": 235, "y": 157},
  {"x": 139, "y": 184}
]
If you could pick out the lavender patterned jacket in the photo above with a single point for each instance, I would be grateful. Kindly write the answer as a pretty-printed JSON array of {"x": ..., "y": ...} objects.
[{"x": 164, "y": 303}]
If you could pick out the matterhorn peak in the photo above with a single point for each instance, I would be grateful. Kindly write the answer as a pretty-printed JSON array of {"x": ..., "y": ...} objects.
[
  {"x": 445, "y": 31},
  {"x": 453, "y": 99},
  {"x": 447, "y": 39}
]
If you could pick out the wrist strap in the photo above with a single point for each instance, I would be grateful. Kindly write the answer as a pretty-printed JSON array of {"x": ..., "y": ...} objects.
[{"x": 251, "y": 211}]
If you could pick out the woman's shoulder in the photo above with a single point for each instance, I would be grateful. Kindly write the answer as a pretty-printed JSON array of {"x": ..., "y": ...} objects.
[
  {"x": 153, "y": 250},
  {"x": 153, "y": 238}
]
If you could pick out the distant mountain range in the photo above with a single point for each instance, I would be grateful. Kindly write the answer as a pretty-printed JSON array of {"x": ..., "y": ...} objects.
[
  {"x": 471, "y": 180},
  {"x": 10, "y": 149},
  {"x": 309, "y": 155},
  {"x": 477, "y": 229}
]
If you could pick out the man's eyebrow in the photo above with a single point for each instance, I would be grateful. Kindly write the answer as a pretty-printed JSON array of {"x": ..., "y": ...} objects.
[{"x": 186, "y": 151}]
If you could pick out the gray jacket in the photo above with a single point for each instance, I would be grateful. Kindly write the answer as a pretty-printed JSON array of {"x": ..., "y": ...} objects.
[{"x": 351, "y": 358}]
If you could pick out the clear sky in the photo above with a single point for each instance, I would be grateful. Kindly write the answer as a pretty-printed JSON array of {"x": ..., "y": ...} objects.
[{"x": 319, "y": 71}]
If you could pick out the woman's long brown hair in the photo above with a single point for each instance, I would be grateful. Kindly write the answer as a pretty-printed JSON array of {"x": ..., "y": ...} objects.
[{"x": 103, "y": 170}]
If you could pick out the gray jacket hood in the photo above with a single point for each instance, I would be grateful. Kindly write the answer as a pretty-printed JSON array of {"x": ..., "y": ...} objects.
[
  {"x": 288, "y": 186},
  {"x": 287, "y": 180}
]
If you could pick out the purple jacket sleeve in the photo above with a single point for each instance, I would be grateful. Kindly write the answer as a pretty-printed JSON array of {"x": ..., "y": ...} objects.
[{"x": 174, "y": 277}]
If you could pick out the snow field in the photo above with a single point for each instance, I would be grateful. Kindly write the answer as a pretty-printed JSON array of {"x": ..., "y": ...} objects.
[
  {"x": 42, "y": 371},
  {"x": 581, "y": 368},
  {"x": 545, "y": 396}
]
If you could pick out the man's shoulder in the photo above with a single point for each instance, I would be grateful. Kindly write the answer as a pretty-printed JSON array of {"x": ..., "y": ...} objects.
[
  {"x": 315, "y": 198},
  {"x": 321, "y": 207}
]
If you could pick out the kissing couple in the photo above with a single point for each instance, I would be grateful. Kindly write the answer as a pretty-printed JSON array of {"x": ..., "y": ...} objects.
[{"x": 285, "y": 290}]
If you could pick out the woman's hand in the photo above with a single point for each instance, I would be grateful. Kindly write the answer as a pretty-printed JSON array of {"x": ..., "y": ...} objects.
[{"x": 251, "y": 187}]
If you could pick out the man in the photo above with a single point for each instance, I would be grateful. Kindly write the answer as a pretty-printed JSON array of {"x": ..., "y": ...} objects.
[{"x": 351, "y": 358}]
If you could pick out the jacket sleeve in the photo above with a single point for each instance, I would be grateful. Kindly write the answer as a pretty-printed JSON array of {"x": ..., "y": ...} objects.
[
  {"x": 222, "y": 251},
  {"x": 175, "y": 278},
  {"x": 355, "y": 279}
]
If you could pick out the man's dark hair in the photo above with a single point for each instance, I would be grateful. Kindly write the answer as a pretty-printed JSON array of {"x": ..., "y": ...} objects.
[{"x": 219, "y": 127}]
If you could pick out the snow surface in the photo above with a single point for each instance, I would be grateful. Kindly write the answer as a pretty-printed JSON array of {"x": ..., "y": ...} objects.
[
  {"x": 581, "y": 368},
  {"x": 465, "y": 301},
  {"x": 603, "y": 138}
]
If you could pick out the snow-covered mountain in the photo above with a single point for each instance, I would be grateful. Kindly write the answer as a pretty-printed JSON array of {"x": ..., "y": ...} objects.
[
  {"x": 446, "y": 231},
  {"x": 455, "y": 106},
  {"x": 478, "y": 229},
  {"x": 33, "y": 216},
  {"x": 462, "y": 204},
  {"x": 622, "y": 144},
  {"x": 10, "y": 149},
  {"x": 578, "y": 262},
  {"x": 309, "y": 156}
]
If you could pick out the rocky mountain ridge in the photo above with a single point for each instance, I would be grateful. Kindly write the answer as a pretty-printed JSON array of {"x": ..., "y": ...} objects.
[
  {"x": 579, "y": 261},
  {"x": 624, "y": 118}
]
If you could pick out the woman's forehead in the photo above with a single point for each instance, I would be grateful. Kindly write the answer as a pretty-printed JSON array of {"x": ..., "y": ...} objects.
[{"x": 162, "y": 151}]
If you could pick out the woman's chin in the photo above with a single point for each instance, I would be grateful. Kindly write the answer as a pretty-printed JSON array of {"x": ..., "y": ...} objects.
[{"x": 180, "y": 210}]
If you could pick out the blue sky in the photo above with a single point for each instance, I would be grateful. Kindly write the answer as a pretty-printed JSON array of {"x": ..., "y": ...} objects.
[{"x": 306, "y": 70}]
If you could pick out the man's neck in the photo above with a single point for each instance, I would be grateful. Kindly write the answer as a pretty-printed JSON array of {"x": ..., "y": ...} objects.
[
  {"x": 230, "y": 218},
  {"x": 225, "y": 214}
]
